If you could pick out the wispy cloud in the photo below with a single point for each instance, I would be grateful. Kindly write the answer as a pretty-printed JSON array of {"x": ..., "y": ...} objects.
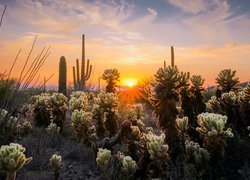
[{"x": 193, "y": 7}]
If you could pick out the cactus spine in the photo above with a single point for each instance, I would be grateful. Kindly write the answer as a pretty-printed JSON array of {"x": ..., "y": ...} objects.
[
  {"x": 62, "y": 76},
  {"x": 80, "y": 83}
]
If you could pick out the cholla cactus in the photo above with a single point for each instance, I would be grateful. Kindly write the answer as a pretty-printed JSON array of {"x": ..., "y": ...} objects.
[
  {"x": 79, "y": 101},
  {"x": 106, "y": 113},
  {"x": 134, "y": 113},
  {"x": 53, "y": 130},
  {"x": 182, "y": 124},
  {"x": 198, "y": 103},
  {"x": 157, "y": 149},
  {"x": 8, "y": 125},
  {"x": 41, "y": 109},
  {"x": 164, "y": 97},
  {"x": 226, "y": 80},
  {"x": 229, "y": 99},
  {"x": 12, "y": 159},
  {"x": 111, "y": 76},
  {"x": 82, "y": 125},
  {"x": 58, "y": 105},
  {"x": 103, "y": 159},
  {"x": 129, "y": 167},
  {"x": 212, "y": 128},
  {"x": 213, "y": 105},
  {"x": 197, "y": 156},
  {"x": 45, "y": 106},
  {"x": 56, "y": 164},
  {"x": 25, "y": 126}
]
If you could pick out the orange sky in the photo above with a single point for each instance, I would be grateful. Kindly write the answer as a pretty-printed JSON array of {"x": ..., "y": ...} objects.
[{"x": 134, "y": 38}]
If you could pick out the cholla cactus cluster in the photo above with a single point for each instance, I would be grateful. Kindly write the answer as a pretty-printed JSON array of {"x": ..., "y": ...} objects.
[
  {"x": 229, "y": 99},
  {"x": 78, "y": 101},
  {"x": 58, "y": 108},
  {"x": 56, "y": 164},
  {"x": 182, "y": 124},
  {"x": 213, "y": 105},
  {"x": 212, "y": 127},
  {"x": 106, "y": 113},
  {"x": 198, "y": 158},
  {"x": 129, "y": 167},
  {"x": 157, "y": 149},
  {"x": 83, "y": 126},
  {"x": 196, "y": 155},
  {"x": 135, "y": 114},
  {"x": 12, "y": 159},
  {"x": 125, "y": 166},
  {"x": 111, "y": 76},
  {"x": 104, "y": 158},
  {"x": 46, "y": 106},
  {"x": 53, "y": 130},
  {"x": 164, "y": 96},
  {"x": 197, "y": 82},
  {"x": 227, "y": 80},
  {"x": 8, "y": 123}
]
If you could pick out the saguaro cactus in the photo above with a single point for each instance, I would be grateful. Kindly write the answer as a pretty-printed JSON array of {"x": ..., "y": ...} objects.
[
  {"x": 62, "y": 76},
  {"x": 80, "y": 83},
  {"x": 172, "y": 58}
]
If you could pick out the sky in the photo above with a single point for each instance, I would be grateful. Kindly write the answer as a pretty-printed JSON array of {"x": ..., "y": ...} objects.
[{"x": 133, "y": 36}]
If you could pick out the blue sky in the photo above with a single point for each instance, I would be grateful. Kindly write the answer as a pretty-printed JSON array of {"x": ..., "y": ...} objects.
[{"x": 208, "y": 35}]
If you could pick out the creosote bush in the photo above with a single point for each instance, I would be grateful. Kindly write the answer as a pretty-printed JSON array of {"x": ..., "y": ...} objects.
[{"x": 12, "y": 159}]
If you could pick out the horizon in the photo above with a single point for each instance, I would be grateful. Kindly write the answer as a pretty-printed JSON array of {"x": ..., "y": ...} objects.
[{"x": 133, "y": 37}]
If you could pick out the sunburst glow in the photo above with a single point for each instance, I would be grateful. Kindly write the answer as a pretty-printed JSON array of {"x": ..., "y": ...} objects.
[{"x": 130, "y": 82}]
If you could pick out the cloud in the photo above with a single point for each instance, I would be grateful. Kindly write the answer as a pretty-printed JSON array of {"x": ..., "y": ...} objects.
[{"x": 193, "y": 7}]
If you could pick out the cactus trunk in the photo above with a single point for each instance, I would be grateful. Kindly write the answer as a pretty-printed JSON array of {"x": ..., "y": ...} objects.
[
  {"x": 172, "y": 56},
  {"x": 62, "y": 76},
  {"x": 11, "y": 175}
]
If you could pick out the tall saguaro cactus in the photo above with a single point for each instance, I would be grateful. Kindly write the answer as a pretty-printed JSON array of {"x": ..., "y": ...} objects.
[
  {"x": 80, "y": 82},
  {"x": 62, "y": 76},
  {"x": 172, "y": 58}
]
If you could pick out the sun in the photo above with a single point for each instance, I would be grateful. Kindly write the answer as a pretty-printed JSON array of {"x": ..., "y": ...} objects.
[{"x": 130, "y": 82}]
